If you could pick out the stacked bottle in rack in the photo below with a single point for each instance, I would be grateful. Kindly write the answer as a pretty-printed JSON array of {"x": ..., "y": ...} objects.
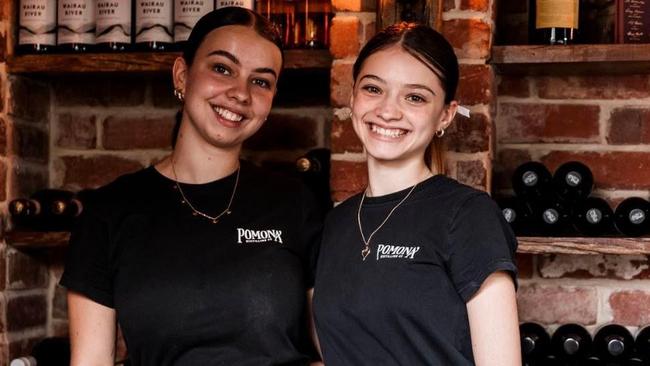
[
  {"x": 561, "y": 204},
  {"x": 47, "y": 210}
]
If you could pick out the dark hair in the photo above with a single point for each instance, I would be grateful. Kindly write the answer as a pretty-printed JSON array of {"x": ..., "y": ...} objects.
[
  {"x": 229, "y": 16},
  {"x": 421, "y": 42}
]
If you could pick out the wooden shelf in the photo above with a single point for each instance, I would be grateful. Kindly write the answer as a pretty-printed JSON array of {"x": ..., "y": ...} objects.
[
  {"x": 156, "y": 62},
  {"x": 572, "y": 59},
  {"x": 37, "y": 240},
  {"x": 613, "y": 245}
]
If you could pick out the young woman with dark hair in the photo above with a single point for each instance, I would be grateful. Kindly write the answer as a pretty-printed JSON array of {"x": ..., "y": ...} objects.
[
  {"x": 418, "y": 269},
  {"x": 203, "y": 259}
]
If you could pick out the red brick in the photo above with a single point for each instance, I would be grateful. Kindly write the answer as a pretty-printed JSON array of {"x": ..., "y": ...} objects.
[
  {"x": 354, "y": 5},
  {"x": 29, "y": 99},
  {"x": 347, "y": 179},
  {"x": 31, "y": 143},
  {"x": 475, "y": 84},
  {"x": 594, "y": 266},
  {"x": 507, "y": 161},
  {"x": 470, "y": 37},
  {"x": 2, "y": 90},
  {"x": 3, "y": 277},
  {"x": 525, "y": 265},
  {"x": 475, "y": 5},
  {"x": 76, "y": 131},
  {"x": 472, "y": 173},
  {"x": 594, "y": 87},
  {"x": 27, "y": 179},
  {"x": 630, "y": 307},
  {"x": 285, "y": 131},
  {"x": 555, "y": 304},
  {"x": 341, "y": 84},
  {"x": 25, "y": 271},
  {"x": 369, "y": 31},
  {"x": 449, "y": 5},
  {"x": 87, "y": 90},
  {"x": 26, "y": 311},
  {"x": 82, "y": 172},
  {"x": 345, "y": 36},
  {"x": 620, "y": 170},
  {"x": 525, "y": 122},
  {"x": 3, "y": 181},
  {"x": 343, "y": 138},
  {"x": 3, "y": 136},
  {"x": 469, "y": 135},
  {"x": 60, "y": 303},
  {"x": 513, "y": 7},
  {"x": 513, "y": 86},
  {"x": 629, "y": 126},
  {"x": 137, "y": 132}
]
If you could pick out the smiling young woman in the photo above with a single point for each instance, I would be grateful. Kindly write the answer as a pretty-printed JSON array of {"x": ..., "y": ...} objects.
[
  {"x": 418, "y": 269},
  {"x": 203, "y": 259}
]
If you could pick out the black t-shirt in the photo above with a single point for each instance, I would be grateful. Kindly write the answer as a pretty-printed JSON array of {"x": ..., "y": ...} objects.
[
  {"x": 190, "y": 292},
  {"x": 406, "y": 303}
]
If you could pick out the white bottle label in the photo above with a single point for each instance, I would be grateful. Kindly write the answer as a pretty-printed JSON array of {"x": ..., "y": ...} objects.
[
  {"x": 186, "y": 14},
  {"x": 248, "y": 4},
  {"x": 153, "y": 21},
  {"x": 37, "y": 22},
  {"x": 76, "y": 21},
  {"x": 113, "y": 21}
]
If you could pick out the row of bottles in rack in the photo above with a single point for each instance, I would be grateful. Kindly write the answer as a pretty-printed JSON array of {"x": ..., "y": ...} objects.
[
  {"x": 561, "y": 204},
  {"x": 573, "y": 345},
  {"x": 47, "y": 26}
]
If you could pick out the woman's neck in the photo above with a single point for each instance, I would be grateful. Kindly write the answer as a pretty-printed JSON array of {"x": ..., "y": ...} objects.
[{"x": 389, "y": 177}]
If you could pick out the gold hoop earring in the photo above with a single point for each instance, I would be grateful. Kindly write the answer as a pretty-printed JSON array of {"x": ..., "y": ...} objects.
[
  {"x": 179, "y": 95},
  {"x": 440, "y": 133}
]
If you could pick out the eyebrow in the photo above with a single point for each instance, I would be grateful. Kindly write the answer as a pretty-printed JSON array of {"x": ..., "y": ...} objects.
[
  {"x": 412, "y": 86},
  {"x": 235, "y": 60}
]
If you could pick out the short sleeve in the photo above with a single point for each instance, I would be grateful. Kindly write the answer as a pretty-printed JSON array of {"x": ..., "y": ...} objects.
[
  {"x": 87, "y": 266},
  {"x": 311, "y": 232},
  {"x": 480, "y": 243}
]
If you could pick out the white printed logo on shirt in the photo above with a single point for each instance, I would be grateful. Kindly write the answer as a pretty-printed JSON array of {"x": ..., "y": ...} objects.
[
  {"x": 246, "y": 236},
  {"x": 387, "y": 251}
]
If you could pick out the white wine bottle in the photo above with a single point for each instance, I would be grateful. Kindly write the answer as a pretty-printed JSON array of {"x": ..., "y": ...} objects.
[
  {"x": 186, "y": 14},
  {"x": 76, "y": 25},
  {"x": 248, "y": 4},
  {"x": 555, "y": 21},
  {"x": 154, "y": 25},
  {"x": 113, "y": 31},
  {"x": 37, "y": 26}
]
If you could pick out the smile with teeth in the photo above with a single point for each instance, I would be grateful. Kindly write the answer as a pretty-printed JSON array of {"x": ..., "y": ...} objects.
[
  {"x": 387, "y": 132},
  {"x": 228, "y": 115}
]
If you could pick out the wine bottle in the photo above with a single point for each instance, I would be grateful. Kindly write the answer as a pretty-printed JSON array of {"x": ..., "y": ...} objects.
[
  {"x": 25, "y": 213},
  {"x": 535, "y": 343},
  {"x": 551, "y": 218},
  {"x": 613, "y": 343},
  {"x": 36, "y": 26},
  {"x": 46, "y": 210},
  {"x": 314, "y": 169},
  {"x": 517, "y": 213},
  {"x": 631, "y": 216},
  {"x": 532, "y": 181},
  {"x": 571, "y": 343},
  {"x": 154, "y": 25},
  {"x": 642, "y": 343},
  {"x": 592, "y": 361},
  {"x": 186, "y": 14},
  {"x": 113, "y": 32},
  {"x": 573, "y": 181},
  {"x": 555, "y": 21},
  {"x": 76, "y": 25},
  {"x": 248, "y": 4},
  {"x": 50, "y": 351},
  {"x": 593, "y": 217}
]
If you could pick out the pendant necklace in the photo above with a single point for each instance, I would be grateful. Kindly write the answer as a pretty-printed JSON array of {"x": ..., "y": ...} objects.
[
  {"x": 195, "y": 212},
  {"x": 366, "y": 242}
]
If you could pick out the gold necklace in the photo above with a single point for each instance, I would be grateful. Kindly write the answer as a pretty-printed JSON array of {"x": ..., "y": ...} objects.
[
  {"x": 366, "y": 243},
  {"x": 196, "y": 212}
]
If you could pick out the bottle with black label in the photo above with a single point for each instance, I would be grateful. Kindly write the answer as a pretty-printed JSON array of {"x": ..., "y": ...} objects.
[
  {"x": 551, "y": 218},
  {"x": 76, "y": 25},
  {"x": 113, "y": 31},
  {"x": 593, "y": 217},
  {"x": 535, "y": 343},
  {"x": 37, "y": 26},
  {"x": 631, "y": 216},
  {"x": 532, "y": 181},
  {"x": 154, "y": 20},
  {"x": 186, "y": 14},
  {"x": 571, "y": 343},
  {"x": 517, "y": 213},
  {"x": 642, "y": 344},
  {"x": 573, "y": 181},
  {"x": 553, "y": 22},
  {"x": 613, "y": 343},
  {"x": 248, "y": 4}
]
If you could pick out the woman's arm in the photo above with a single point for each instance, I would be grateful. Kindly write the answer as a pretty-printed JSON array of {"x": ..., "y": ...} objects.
[
  {"x": 92, "y": 332},
  {"x": 312, "y": 327},
  {"x": 493, "y": 322}
]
